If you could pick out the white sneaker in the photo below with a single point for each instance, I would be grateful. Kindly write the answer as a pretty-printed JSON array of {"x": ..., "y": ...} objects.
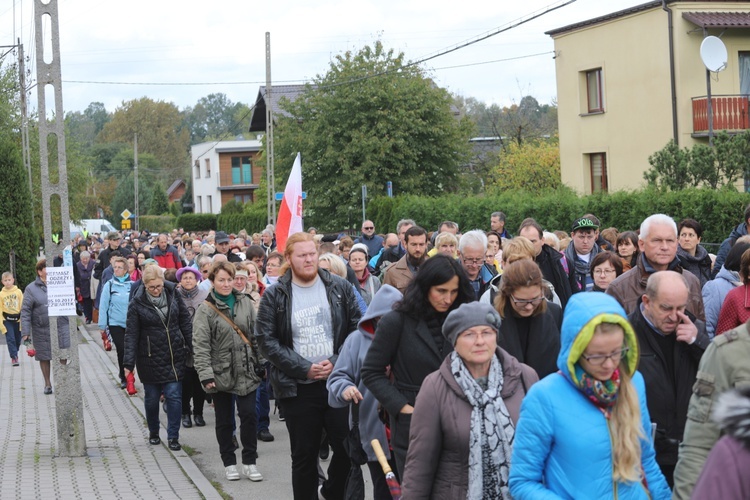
[
  {"x": 251, "y": 472},
  {"x": 232, "y": 473}
]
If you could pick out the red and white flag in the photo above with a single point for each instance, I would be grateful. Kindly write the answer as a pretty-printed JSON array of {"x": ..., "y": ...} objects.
[{"x": 290, "y": 212}]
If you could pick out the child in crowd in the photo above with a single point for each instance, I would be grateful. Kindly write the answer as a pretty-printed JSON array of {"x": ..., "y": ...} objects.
[{"x": 11, "y": 298}]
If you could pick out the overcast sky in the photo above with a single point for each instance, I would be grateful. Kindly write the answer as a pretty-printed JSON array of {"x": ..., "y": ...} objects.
[{"x": 221, "y": 42}]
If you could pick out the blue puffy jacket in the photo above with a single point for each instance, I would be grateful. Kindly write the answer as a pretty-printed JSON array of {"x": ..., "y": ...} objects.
[{"x": 563, "y": 444}]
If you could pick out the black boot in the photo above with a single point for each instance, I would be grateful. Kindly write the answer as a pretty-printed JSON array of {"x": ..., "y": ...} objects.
[{"x": 186, "y": 421}]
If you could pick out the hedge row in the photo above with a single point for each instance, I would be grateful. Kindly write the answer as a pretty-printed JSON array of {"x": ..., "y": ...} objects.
[
  {"x": 157, "y": 223},
  {"x": 718, "y": 211},
  {"x": 252, "y": 222},
  {"x": 197, "y": 222}
]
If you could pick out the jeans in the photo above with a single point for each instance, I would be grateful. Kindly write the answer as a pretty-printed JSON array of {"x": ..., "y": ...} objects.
[
  {"x": 173, "y": 397},
  {"x": 118, "y": 337},
  {"x": 13, "y": 337},
  {"x": 192, "y": 389},
  {"x": 307, "y": 415},
  {"x": 224, "y": 410},
  {"x": 262, "y": 403}
]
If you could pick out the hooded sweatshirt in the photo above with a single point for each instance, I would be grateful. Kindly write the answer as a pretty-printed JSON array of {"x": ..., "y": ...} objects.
[
  {"x": 10, "y": 304},
  {"x": 563, "y": 444},
  {"x": 349, "y": 364}
]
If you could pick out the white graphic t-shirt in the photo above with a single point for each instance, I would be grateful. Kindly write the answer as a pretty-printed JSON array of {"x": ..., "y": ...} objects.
[{"x": 311, "y": 322}]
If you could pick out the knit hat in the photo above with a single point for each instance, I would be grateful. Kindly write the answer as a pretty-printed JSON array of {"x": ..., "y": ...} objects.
[
  {"x": 188, "y": 269},
  {"x": 360, "y": 246},
  {"x": 467, "y": 316}
]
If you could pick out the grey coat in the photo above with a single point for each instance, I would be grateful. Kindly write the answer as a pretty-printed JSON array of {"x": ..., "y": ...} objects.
[{"x": 35, "y": 321}]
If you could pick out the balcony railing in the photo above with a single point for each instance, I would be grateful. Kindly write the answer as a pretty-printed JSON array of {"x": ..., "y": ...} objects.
[{"x": 730, "y": 113}]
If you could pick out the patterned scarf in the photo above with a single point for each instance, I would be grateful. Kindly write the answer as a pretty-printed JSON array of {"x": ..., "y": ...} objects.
[
  {"x": 602, "y": 394},
  {"x": 492, "y": 432}
]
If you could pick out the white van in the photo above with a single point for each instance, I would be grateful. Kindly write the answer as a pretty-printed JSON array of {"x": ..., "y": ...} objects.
[{"x": 91, "y": 226}]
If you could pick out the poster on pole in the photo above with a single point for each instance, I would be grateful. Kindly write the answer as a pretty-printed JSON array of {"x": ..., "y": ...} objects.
[{"x": 61, "y": 296}]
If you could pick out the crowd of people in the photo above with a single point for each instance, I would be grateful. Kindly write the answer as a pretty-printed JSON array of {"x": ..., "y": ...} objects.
[{"x": 589, "y": 363}]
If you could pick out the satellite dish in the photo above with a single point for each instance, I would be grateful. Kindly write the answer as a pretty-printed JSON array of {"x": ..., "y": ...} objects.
[{"x": 714, "y": 54}]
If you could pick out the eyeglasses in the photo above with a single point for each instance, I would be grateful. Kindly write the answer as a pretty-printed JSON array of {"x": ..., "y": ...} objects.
[
  {"x": 204, "y": 271},
  {"x": 368, "y": 228},
  {"x": 474, "y": 262},
  {"x": 526, "y": 302},
  {"x": 154, "y": 288},
  {"x": 599, "y": 359},
  {"x": 603, "y": 272},
  {"x": 272, "y": 265},
  {"x": 472, "y": 336}
]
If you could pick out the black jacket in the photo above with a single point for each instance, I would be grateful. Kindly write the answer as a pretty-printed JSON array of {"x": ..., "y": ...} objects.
[
  {"x": 274, "y": 329},
  {"x": 668, "y": 394},
  {"x": 103, "y": 260},
  {"x": 543, "y": 342},
  {"x": 158, "y": 353},
  {"x": 405, "y": 344},
  {"x": 550, "y": 262}
]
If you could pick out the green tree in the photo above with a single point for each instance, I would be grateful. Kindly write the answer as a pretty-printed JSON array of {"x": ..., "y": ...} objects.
[
  {"x": 159, "y": 201},
  {"x": 215, "y": 117},
  {"x": 370, "y": 119},
  {"x": 533, "y": 166},
  {"x": 160, "y": 132},
  {"x": 186, "y": 202},
  {"x": 16, "y": 222},
  {"x": 669, "y": 168},
  {"x": 86, "y": 125},
  {"x": 124, "y": 195}
]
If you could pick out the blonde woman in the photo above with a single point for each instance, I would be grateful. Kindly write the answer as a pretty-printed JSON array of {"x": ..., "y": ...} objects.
[{"x": 584, "y": 432}]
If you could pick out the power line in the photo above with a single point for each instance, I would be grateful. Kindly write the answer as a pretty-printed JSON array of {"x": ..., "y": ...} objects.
[{"x": 497, "y": 60}]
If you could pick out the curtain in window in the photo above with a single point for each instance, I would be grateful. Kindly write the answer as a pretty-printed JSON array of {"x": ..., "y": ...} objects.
[{"x": 745, "y": 73}]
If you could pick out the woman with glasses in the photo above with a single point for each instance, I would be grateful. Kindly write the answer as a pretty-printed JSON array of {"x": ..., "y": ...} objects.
[
  {"x": 466, "y": 413},
  {"x": 585, "y": 432},
  {"x": 410, "y": 340},
  {"x": 273, "y": 265},
  {"x": 158, "y": 341},
  {"x": 531, "y": 325},
  {"x": 605, "y": 267}
]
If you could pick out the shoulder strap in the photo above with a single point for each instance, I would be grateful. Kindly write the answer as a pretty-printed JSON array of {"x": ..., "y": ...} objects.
[{"x": 231, "y": 323}]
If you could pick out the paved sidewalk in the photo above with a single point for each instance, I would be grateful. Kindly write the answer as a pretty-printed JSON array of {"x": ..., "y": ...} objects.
[{"x": 120, "y": 462}]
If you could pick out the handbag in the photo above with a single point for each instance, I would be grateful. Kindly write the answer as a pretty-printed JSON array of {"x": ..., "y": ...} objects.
[{"x": 259, "y": 370}]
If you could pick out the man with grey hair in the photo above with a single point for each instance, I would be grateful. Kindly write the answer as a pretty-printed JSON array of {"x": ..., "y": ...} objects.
[
  {"x": 471, "y": 249},
  {"x": 497, "y": 224},
  {"x": 658, "y": 245},
  {"x": 671, "y": 342}
]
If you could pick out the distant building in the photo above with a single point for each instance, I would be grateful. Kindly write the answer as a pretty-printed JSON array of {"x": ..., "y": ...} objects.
[
  {"x": 623, "y": 92},
  {"x": 176, "y": 190},
  {"x": 259, "y": 113},
  {"x": 224, "y": 171}
]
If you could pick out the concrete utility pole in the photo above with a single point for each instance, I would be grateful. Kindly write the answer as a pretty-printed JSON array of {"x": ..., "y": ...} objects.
[
  {"x": 71, "y": 438},
  {"x": 135, "y": 177},
  {"x": 271, "y": 198}
]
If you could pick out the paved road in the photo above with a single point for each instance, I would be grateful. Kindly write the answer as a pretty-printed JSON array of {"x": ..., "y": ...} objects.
[
  {"x": 274, "y": 460},
  {"x": 120, "y": 462}
]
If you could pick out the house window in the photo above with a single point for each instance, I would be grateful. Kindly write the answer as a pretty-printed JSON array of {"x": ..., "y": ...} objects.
[
  {"x": 598, "y": 166},
  {"x": 198, "y": 205},
  {"x": 209, "y": 208},
  {"x": 242, "y": 171},
  {"x": 594, "y": 91},
  {"x": 208, "y": 168},
  {"x": 242, "y": 198},
  {"x": 197, "y": 169}
]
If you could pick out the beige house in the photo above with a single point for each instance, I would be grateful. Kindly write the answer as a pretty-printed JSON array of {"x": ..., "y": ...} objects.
[{"x": 630, "y": 81}]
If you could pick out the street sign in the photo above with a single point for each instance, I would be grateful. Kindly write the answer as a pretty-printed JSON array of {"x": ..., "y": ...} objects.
[
  {"x": 280, "y": 196},
  {"x": 125, "y": 214}
]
